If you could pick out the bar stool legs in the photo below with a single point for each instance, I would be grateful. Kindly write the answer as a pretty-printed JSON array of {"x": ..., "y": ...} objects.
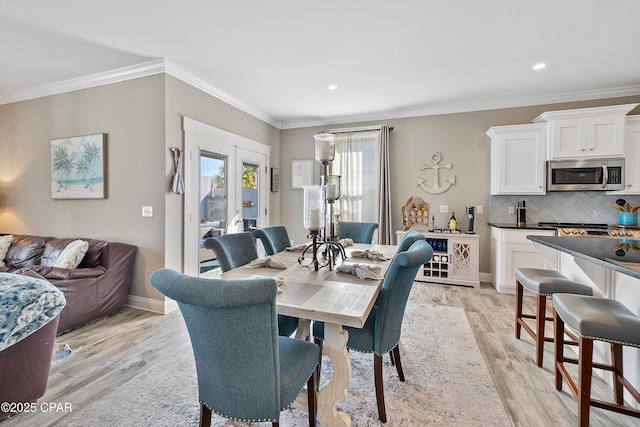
[
  {"x": 582, "y": 391},
  {"x": 540, "y": 321},
  {"x": 544, "y": 283}
]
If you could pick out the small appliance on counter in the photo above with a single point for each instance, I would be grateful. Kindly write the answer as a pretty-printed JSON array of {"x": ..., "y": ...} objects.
[
  {"x": 521, "y": 214},
  {"x": 470, "y": 215}
]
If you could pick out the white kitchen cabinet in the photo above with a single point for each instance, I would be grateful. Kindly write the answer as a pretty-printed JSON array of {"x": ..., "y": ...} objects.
[
  {"x": 586, "y": 132},
  {"x": 455, "y": 259},
  {"x": 510, "y": 249},
  {"x": 632, "y": 157},
  {"x": 518, "y": 159}
]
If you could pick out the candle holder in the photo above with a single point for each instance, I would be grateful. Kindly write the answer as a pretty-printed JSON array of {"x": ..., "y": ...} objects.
[
  {"x": 316, "y": 199},
  {"x": 314, "y": 207},
  {"x": 314, "y": 220},
  {"x": 325, "y": 147},
  {"x": 332, "y": 247},
  {"x": 314, "y": 246}
]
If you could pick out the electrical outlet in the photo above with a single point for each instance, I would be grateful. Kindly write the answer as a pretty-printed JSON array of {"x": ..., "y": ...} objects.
[
  {"x": 512, "y": 210},
  {"x": 479, "y": 209},
  {"x": 147, "y": 211},
  {"x": 444, "y": 208}
]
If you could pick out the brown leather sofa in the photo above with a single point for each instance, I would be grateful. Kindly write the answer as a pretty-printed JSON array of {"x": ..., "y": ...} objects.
[{"x": 96, "y": 288}]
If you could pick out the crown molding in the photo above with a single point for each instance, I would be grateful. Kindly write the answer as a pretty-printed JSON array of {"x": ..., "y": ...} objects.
[
  {"x": 145, "y": 69},
  {"x": 162, "y": 65},
  {"x": 465, "y": 108},
  {"x": 89, "y": 81},
  {"x": 191, "y": 79}
]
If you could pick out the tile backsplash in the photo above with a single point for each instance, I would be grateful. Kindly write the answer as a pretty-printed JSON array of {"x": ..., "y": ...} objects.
[{"x": 562, "y": 206}]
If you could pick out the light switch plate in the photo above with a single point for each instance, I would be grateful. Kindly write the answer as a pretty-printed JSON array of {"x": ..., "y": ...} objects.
[
  {"x": 147, "y": 211},
  {"x": 444, "y": 208}
]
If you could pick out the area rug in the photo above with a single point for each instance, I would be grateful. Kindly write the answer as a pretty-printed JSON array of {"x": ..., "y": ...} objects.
[{"x": 447, "y": 384}]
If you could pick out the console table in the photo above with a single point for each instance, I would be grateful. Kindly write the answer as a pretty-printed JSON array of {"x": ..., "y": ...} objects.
[{"x": 455, "y": 258}]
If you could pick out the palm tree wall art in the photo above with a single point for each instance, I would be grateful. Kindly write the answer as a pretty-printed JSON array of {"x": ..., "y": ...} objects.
[{"x": 78, "y": 167}]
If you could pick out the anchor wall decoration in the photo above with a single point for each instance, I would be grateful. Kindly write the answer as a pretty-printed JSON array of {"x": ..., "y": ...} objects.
[{"x": 435, "y": 187}]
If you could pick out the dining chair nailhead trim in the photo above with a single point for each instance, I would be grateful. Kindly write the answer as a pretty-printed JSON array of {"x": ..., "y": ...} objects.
[{"x": 239, "y": 419}]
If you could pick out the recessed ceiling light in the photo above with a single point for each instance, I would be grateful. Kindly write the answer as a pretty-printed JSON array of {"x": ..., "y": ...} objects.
[
  {"x": 539, "y": 66},
  {"x": 333, "y": 87}
]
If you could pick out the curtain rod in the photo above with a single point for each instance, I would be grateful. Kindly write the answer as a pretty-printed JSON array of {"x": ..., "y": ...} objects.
[{"x": 357, "y": 129}]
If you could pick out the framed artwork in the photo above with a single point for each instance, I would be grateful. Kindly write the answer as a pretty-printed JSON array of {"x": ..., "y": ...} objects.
[
  {"x": 301, "y": 173},
  {"x": 78, "y": 167}
]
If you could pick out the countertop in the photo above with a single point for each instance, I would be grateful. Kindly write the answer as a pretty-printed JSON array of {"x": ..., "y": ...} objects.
[
  {"x": 622, "y": 255},
  {"x": 529, "y": 226}
]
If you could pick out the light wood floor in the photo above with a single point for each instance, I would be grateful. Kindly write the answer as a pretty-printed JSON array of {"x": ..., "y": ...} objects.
[{"x": 109, "y": 352}]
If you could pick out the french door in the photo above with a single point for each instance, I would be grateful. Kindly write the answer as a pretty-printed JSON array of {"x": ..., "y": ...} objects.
[{"x": 225, "y": 189}]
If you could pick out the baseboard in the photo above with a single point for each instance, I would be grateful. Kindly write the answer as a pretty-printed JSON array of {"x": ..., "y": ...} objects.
[
  {"x": 485, "y": 277},
  {"x": 147, "y": 304}
]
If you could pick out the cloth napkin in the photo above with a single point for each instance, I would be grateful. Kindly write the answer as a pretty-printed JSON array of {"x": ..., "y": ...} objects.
[
  {"x": 267, "y": 262},
  {"x": 279, "y": 280},
  {"x": 346, "y": 242},
  {"x": 363, "y": 271},
  {"x": 296, "y": 248},
  {"x": 369, "y": 254}
]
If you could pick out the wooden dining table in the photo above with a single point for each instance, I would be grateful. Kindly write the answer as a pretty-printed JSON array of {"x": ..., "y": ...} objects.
[{"x": 336, "y": 298}]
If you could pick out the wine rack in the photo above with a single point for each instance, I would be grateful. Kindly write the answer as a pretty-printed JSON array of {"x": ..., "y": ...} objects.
[{"x": 455, "y": 259}]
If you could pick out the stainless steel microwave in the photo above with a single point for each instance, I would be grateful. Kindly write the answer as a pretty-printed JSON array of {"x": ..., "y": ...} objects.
[{"x": 585, "y": 175}]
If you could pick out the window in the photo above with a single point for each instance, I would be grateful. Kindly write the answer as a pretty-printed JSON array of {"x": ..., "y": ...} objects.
[{"x": 357, "y": 161}]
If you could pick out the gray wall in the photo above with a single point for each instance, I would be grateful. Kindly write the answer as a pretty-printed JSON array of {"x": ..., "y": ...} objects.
[
  {"x": 143, "y": 118},
  {"x": 132, "y": 114},
  {"x": 459, "y": 138}
]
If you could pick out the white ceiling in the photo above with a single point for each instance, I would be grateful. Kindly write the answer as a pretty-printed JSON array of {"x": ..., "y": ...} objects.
[{"x": 276, "y": 59}]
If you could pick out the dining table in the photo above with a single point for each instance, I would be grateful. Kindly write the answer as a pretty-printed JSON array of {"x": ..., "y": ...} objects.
[{"x": 336, "y": 298}]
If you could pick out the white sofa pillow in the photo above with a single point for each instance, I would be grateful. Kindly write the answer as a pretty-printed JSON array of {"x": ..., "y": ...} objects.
[
  {"x": 72, "y": 255},
  {"x": 5, "y": 242}
]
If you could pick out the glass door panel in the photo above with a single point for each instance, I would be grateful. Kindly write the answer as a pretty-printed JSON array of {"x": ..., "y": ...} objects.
[
  {"x": 213, "y": 190},
  {"x": 254, "y": 194},
  {"x": 212, "y": 204},
  {"x": 224, "y": 179},
  {"x": 250, "y": 196}
]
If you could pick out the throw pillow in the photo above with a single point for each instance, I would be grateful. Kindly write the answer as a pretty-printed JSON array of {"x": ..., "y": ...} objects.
[
  {"x": 72, "y": 255},
  {"x": 5, "y": 242}
]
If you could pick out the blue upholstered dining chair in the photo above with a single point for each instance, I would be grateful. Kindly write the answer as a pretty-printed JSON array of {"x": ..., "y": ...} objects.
[
  {"x": 245, "y": 370},
  {"x": 238, "y": 249},
  {"x": 360, "y": 232},
  {"x": 274, "y": 238},
  {"x": 408, "y": 239},
  {"x": 381, "y": 332},
  {"x": 233, "y": 250}
]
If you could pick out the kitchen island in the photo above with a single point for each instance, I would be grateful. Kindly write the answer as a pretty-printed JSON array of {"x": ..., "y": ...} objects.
[
  {"x": 612, "y": 267},
  {"x": 621, "y": 255}
]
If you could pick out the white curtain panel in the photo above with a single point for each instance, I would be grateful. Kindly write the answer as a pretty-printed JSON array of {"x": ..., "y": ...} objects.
[{"x": 362, "y": 161}]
